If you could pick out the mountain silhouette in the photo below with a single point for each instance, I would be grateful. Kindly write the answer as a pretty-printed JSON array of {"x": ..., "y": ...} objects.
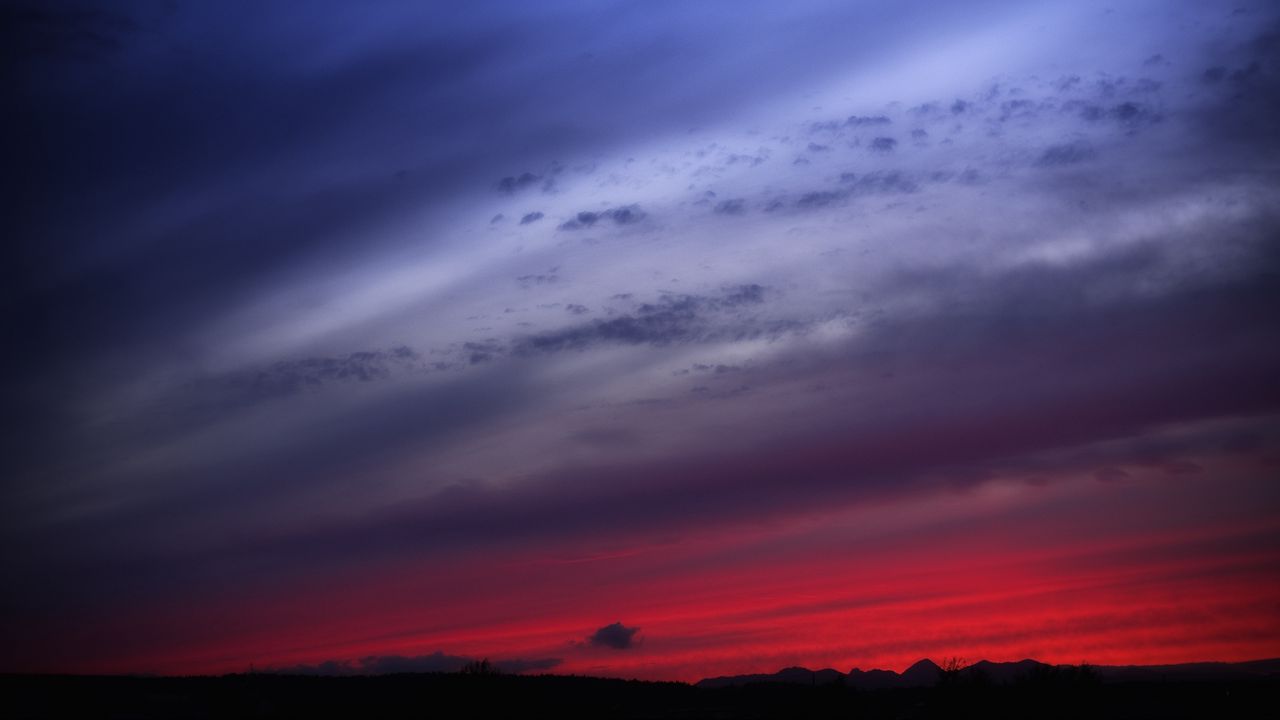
[
  {"x": 922, "y": 674},
  {"x": 926, "y": 673},
  {"x": 983, "y": 690}
]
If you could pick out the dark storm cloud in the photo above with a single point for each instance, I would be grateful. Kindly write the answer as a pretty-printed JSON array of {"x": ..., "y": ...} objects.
[{"x": 616, "y": 636}]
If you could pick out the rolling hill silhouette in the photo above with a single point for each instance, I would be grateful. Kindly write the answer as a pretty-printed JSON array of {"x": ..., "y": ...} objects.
[
  {"x": 926, "y": 673},
  {"x": 986, "y": 690}
]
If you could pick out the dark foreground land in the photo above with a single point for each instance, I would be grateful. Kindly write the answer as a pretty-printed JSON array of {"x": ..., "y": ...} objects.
[{"x": 466, "y": 696}]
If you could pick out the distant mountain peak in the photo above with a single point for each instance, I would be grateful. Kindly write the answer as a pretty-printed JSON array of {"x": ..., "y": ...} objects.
[
  {"x": 921, "y": 674},
  {"x": 926, "y": 673}
]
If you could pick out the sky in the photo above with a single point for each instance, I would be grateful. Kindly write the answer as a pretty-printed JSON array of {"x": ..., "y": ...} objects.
[{"x": 656, "y": 340}]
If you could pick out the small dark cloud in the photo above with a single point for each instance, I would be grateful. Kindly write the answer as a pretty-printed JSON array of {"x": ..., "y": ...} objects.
[
  {"x": 1215, "y": 74},
  {"x": 626, "y": 215},
  {"x": 865, "y": 120},
  {"x": 1246, "y": 73},
  {"x": 818, "y": 198},
  {"x": 1129, "y": 113},
  {"x": 815, "y": 147},
  {"x": 531, "y": 218},
  {"x": 673, "y": 319},
  {"x": 577, "y": 309},
  {"x": 545, "y": 278},
  {"x": 883, "y": 144},
  {"x": 616, "y": 636},
  {"x": 752, "y": 160},
  {"x": 291, "y": 376},
  {"x": 959, "y": 106},
  {"x": 743, "y": 295},
  {"x": 879, "y": 182},
  {"x": 1011, "y": 109},
  {"x": 718, "y": 368},
  {"x": 1065, "y": 154},
  {"x": 622, "y": 215},
  {"x": 1092, "y": 112},
  {"x": 515, "y": 183},
  {"x": 586, "y": 218},
  {"x": 497, "y": 219},
  {"x": 1125, "y": 113},
  {"x": 481, "y": 351},
  {"x": 874, "y": 183},
  {"x": 733, "y": 206}
]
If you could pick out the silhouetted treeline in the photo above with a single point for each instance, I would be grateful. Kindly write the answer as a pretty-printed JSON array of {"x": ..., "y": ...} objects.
[{"x": 1052, "y": 693}]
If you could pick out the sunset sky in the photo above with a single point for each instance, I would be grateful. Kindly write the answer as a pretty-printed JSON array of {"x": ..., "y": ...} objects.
[{"x": 657, "y": 340}]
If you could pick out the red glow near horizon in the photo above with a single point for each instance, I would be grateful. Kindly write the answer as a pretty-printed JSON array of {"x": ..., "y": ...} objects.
[{"x": 1003, "y": 573}]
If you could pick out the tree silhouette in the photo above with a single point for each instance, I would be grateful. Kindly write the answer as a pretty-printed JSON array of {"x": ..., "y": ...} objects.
[
  {"x": 479, "y": 667},
  {"x": 951, "y": 668}
]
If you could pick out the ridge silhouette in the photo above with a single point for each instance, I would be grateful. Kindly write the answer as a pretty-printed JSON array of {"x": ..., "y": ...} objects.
[
  {"x": 927, "y": 673},
  {"x": 979, "y": 690}
]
